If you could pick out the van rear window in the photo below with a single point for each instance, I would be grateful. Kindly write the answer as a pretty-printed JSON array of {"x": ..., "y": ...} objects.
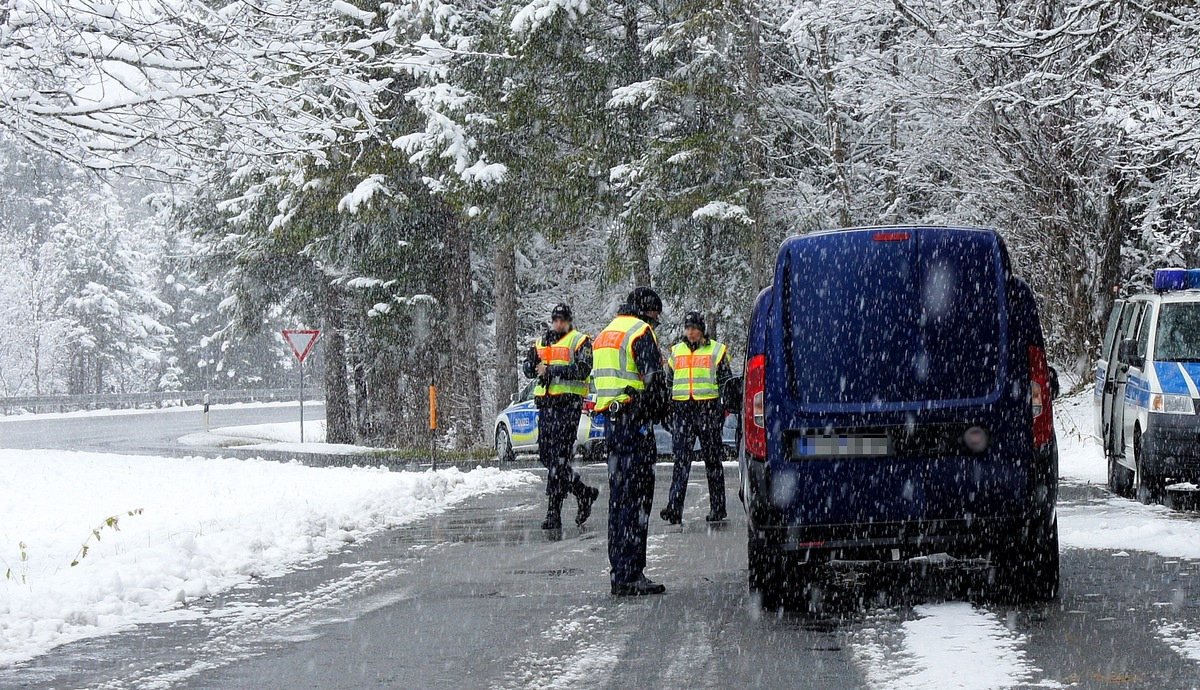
[{"x": 895, "y": 322}]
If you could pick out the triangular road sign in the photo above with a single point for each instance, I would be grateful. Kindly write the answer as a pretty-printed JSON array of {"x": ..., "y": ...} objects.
[{"x": 301, "y": 342}]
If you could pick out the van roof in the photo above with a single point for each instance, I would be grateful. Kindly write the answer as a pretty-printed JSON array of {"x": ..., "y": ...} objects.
[{"x": 913, "y": 227}]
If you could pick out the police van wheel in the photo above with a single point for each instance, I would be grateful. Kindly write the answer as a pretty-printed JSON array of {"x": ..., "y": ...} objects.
[
  {"x": 1120, "y": 478},
  {"x": 504, "y": 449},
  {"x": 1149, "y": 487}
]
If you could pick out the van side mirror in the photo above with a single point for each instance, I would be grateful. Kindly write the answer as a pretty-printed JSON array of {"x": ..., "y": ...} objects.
[
  {"x": 1127, "y": 353},
  {"x": 1054, "y": 389},
  {"x": 731, "y": 394},
  {"x": 515, "y": 398}
]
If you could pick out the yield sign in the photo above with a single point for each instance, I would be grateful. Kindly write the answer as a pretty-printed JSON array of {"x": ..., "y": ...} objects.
[{"x": 301, "y": 342}]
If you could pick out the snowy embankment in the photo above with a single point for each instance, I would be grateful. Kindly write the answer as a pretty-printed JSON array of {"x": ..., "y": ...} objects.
[
  {"x": 284, "y": 436},
  {"x": 159, "y": 532}
]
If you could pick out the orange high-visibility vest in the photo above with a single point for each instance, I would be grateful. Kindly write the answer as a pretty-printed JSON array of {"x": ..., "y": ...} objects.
[{"x": 561, "y": 353}]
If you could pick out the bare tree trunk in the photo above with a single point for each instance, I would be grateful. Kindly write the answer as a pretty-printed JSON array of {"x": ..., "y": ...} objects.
[
  {"x": 462, "y": 377},
  {"x": 358, "y": 365},
  {"x": 639, "y": 235},
  {"x": 1112, "y": 237},
  {"x": 758, "y": 234},
  {"x": 833, "y": 127},
  {"x": 639, "y": 255},
  {"x": 505, "y": 290},
  {"x": 337, "y": 394}
]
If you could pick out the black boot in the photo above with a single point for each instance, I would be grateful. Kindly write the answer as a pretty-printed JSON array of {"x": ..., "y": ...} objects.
[
  {"x": 715, "y": 515},
  {"x": 553, "y": 515},
  {"x": 638, "y": 588},
  {"x": 672, "y": 517},
  {"x": 586, "y": 497}
]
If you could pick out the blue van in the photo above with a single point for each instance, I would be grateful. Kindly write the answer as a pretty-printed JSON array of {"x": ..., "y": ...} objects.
[{"x": 897, "y": 403}]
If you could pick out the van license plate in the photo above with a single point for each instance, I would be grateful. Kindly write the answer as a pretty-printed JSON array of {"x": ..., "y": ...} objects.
[{"x": 841, "y": 446}]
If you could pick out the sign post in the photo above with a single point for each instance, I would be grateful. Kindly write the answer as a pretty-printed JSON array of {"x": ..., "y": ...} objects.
[
  {"x": 301, "y": 342},
  {"x": 433, "y": 426}
]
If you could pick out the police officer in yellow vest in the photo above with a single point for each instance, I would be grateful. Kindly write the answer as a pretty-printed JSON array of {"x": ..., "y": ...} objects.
[
  {"x": 561, "y": 361},
  {"x": 631, "y": 390},
  {"x": 699, "y": 367}
]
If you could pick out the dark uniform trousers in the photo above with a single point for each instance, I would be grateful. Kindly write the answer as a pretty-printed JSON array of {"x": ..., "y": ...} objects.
[
  {"x": 697, "y": 419},
  {"x": 558, "y": 424},
  {"x": 631, "y": 457}
]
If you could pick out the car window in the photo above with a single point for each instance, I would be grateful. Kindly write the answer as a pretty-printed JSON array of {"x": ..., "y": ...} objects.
[
  {"x": 1110, "y": 333},
  {"x": 527, "y": 394},
  {"x": 1143, "y": 333},
  {"x": 1178, "y": 337}
]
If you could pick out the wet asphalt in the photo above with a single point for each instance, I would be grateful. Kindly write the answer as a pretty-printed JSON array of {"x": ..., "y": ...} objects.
[{"x": 480, "y": 597}]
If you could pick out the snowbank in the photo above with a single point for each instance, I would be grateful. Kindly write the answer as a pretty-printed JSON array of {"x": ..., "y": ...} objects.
[{"x": 198, "y": 526}]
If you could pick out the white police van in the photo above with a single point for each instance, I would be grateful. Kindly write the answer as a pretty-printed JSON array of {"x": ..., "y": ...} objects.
[{"x": 1148, "y": 385}]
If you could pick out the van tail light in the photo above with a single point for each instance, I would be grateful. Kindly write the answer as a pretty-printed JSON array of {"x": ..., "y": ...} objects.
[
  {"x": 1039, "y": 397},
  {"x": 754, "y": 411}
]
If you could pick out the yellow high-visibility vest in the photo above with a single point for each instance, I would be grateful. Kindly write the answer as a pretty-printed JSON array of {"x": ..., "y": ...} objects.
[
  {"x": 561, "y": 353},
  {"x": 613, "y": 365},
  {"x": 696, "y": 371}
]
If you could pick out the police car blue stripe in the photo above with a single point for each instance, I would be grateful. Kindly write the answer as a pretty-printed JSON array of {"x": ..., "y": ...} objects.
[
  {"x": 1137, "y": 392},
  {"x": 1171, "y": 377},
  {"x": 1193, "y": 372}
]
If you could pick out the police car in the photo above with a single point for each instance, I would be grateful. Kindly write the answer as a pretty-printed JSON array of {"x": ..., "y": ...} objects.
[
  {"x": 517, "y": 431},
  {"x": 1146, "y": 388}
]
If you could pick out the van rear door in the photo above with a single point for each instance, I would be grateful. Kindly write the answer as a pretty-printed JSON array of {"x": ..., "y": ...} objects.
[
  {"x": 894, "y": 320},
  {"x": 892, "y": 346}
]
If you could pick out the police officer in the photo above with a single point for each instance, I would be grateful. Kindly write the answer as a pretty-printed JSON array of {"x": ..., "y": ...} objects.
[
  {"x": 631, "y": 389},
  {"x": 561, "y": 361},
  {"x": 699, "y": 367}
]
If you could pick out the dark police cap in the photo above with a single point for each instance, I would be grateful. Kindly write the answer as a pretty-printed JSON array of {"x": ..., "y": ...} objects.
[
  {"x": 561, "y": 311},
  {"x": 645, "y": 300}
]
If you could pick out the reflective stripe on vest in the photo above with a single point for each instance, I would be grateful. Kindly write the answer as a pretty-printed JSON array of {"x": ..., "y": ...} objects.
[
  {"x": 613, "y": 365},
  {"x": 696, "y": 371},
  {"x": 561, "y": 353}
]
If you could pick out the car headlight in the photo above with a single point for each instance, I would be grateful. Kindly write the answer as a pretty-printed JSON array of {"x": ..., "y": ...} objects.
[{"x": 1166, "y": 403}]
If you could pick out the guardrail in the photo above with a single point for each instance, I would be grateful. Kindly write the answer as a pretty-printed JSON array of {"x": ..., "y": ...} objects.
[{"x": 62, "y": 403}]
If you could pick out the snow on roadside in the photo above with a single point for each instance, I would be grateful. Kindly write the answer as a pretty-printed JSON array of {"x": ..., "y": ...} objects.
[
  {"x": 1108, "y": 521},
  {"x": 949, "y": 645},
  {"x": 1079, "y": 458},
  {"x": 204, "y": 525}
]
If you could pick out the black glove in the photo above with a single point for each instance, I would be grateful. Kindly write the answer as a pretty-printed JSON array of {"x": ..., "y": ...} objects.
[
  {"x": 619, "y": 410},
  {"x": 731, "y": 395}
]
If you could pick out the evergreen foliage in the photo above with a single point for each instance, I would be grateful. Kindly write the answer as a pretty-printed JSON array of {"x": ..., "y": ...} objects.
[{"x": 424, "y": 180}]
